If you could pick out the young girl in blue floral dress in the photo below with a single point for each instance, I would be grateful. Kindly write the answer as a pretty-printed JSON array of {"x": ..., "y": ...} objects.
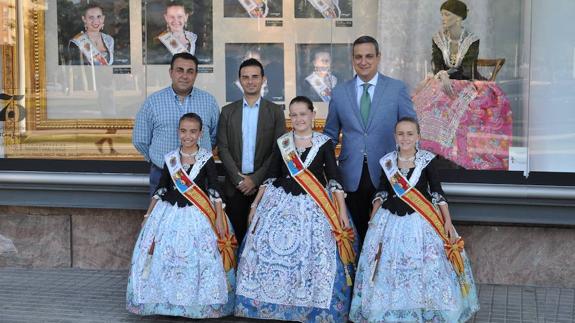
[{"x": 183, "y": 262}]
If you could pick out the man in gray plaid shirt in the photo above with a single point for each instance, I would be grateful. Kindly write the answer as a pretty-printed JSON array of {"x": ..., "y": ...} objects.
[{"x": 156, "y": 127}]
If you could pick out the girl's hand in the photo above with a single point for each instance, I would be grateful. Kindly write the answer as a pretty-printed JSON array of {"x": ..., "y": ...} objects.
[
  {"x": 450, "y": 230},
  {"x": 220, "y": 225},
  {"x": 343, "y": 219},
  {"x": 146, "y": 216},
  {"x": 376, "y": 205},
  {"x": 251, "y": 214}
]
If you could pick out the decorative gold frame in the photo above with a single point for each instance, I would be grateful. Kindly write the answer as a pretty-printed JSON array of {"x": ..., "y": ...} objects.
[{"x": 37, "y": 114}]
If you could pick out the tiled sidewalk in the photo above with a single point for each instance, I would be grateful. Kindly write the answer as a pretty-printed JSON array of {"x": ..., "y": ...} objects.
[{"x": 76, "y": 295}]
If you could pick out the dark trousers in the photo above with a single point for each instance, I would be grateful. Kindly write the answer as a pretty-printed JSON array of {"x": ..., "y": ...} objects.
[
  {"x": 155, "y": 175},
  {"x": 238, "y": 208},
  {"x": 359, "y": 202}
]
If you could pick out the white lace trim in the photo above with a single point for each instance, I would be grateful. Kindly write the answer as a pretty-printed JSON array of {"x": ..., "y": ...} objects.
[
  {"x": 201, "y": 159},
  {"x": 281, "y": 262},
  {"x": 382, "y": 196},
  {"x": 437, "y": 198},
  {"x": 412, "y": 271},
  {"x": 334, "y": 186},
  {"x": 317, "y": 140},
  {"x": 186, "y": 268},
  {"x": 442, "y": 42},
  {"x": 422, "y": 159}
]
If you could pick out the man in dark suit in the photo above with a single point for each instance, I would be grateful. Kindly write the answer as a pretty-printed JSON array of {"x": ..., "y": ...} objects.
[
  {"x": 247, "y": 131},
  {"x": 365, "y": 109}
]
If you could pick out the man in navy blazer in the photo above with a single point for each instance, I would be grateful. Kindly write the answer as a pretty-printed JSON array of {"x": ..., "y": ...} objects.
[{"x": 365, "y": 142}]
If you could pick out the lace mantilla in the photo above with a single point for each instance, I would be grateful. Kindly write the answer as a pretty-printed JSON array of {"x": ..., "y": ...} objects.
[
  {"x": 201, "y": 159},
  {"x": 422, "y": 159},
  {"x": 442, "y": 42},
  {"x": 317, "y": 140}
]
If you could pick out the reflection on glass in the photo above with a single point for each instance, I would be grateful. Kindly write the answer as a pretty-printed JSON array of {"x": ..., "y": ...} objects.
[
  {"x": 253, "y": 8},
  {"x": 271, "y": 57},
  {"x": 320, "y": 67},
  {"x": 323, "y": 8}
]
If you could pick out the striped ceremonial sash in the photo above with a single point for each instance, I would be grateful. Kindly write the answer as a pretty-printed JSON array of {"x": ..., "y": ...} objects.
[
  {"x": 413, "y": 197},
  {"x": 344, "y": 237},
  {"x": 227, "y": 242},
  {"x": 89, "y": 49}
]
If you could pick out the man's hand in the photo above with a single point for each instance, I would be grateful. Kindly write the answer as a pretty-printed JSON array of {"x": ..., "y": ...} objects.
[{"x": 246, "y": 185}]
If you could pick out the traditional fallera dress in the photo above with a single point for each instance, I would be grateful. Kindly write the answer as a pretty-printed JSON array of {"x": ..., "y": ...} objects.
[
  {"x": 181, "y": 266},
  {"x": 473, "y": 129},
  {"x": 408, "y": 270},
  {"x": 297, "y": 260},
  {"x": 85, "y": 52}
]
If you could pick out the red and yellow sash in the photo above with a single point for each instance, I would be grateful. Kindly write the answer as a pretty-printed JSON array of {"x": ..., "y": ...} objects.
[
  {"x": 344, "y": 237},
  {"x": 89, "y": 50},
  {"x": 227, "y": 242},
  {"x": 413, "y": 197}
]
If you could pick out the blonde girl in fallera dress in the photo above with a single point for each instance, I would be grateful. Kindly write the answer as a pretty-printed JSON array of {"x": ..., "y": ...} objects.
[
  {"x": 412, "y": 266},
  {"x": 299, "y": 251},
  {"x": 184, "y": 260}
]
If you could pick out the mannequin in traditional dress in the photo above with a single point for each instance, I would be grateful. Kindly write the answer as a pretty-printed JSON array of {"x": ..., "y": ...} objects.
[{"x": 463, "y": 117}]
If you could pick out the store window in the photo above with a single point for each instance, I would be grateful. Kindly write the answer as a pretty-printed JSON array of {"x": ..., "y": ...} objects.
[{"x": 492, "y": 83}]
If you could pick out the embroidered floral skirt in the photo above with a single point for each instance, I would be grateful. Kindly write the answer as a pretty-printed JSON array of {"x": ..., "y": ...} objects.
[
  {"x": 413, "y": 280},
  {"x": 185, "y": 275},
  {"x": 473, "y": 129},
  {"x": 289, "y": 266}
]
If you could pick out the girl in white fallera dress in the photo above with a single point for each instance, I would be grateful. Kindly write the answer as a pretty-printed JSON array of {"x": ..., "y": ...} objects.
[
  {"x": 299, "y": 251},
  {"x": 183, "y": 262},
  {"x": 412, "y": 266}
]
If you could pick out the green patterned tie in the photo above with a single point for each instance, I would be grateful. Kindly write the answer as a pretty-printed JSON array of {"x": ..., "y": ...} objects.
[{"x": 365, "y": 103}]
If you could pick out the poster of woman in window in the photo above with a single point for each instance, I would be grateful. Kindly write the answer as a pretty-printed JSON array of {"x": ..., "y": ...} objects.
[
  {"x": 93, "y": 33},
  {"x": 172, "y": 27}
]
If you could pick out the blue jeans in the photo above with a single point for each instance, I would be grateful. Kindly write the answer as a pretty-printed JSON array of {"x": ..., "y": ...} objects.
[{"x": 155, "y": 175}]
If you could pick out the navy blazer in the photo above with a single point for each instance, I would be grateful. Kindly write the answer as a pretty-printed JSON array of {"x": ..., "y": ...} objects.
[{"x": 390, "y": 102}]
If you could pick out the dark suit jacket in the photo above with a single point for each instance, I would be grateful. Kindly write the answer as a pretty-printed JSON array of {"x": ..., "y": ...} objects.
[{"x": 271, "y": 125}]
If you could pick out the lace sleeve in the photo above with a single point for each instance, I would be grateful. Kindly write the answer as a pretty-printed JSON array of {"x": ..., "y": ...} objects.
[
  {"x": 159, "y": 193},
  {"x": 435, "y": 190},
  {"x": 334, "y": 186},
  {"x": 268, "y": 181},
  {"x": 437, "y": 198},
  {"x": 382, "y": 196}
]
